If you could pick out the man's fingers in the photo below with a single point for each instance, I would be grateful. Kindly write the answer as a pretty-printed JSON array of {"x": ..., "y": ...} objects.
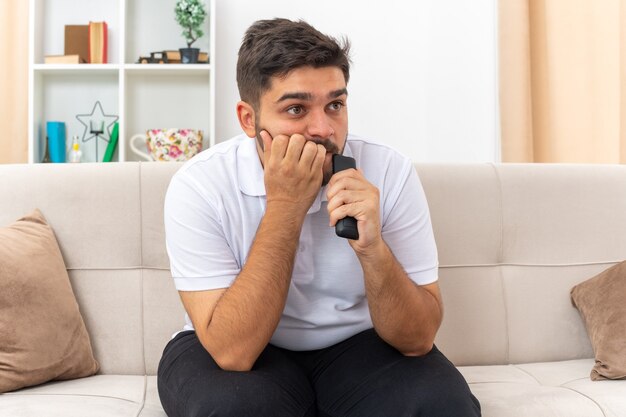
[
  {"x": 320, "y": 157},
  {"x": 345, "y": 180},
  {"x": 267, "y": 143},
  {"x": 277, "y": 146},
  {"x": 295, "y": 147},
  {"x": 339, "y": 199},
  {"x": 309, "y": 154},
  {"x": 293, "y": 153}
]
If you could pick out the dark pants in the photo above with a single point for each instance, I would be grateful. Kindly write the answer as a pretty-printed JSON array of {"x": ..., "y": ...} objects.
[{"x": 359, "y": 377}]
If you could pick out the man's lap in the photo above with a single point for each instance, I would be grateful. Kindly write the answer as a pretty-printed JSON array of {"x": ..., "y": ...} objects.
[
  {"x": 364, "y": 376},
  {"x": 190, "y": 383},
  {"x": 361, "y": 376}
]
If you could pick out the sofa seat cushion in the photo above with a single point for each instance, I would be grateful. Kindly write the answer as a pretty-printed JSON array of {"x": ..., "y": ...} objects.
[
  {"x": 552, "y": 389},
  {"x": 545, "y": 389},
  {"x": 100, "y": 395}
]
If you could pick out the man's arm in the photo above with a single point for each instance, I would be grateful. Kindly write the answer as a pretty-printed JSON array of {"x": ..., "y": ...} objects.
[
  {"x": 405, "y": 315},
  {"x": 235, "y": 324}
]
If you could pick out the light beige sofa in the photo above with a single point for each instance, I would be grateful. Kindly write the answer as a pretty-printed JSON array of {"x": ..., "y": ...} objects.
[{"x": 512, "y": 239}]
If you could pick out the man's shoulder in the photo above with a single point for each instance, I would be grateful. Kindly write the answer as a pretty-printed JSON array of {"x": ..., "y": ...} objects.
[
  {"x": 217, "y": 153},
  {"x": 223, "y": 171},
  {"x": 371, "y": 152},
  {"x": 218, "y": 160},
  {"x": 211, "y": 167}
]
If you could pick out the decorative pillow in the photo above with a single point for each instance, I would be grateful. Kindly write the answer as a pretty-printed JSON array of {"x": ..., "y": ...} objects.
[
  {"x": 602, "y": 304},
  {"x": 43, "y": 334}
]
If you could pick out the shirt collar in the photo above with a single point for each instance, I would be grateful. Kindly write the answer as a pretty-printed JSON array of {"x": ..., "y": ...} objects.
[{"x": 250, "y": 172}]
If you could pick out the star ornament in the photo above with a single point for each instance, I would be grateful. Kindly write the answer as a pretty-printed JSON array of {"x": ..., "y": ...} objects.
[{"x": 97, "y": 114}]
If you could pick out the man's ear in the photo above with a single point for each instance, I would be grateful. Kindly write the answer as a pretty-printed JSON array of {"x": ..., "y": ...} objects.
[{"x": 247, "y": 120}]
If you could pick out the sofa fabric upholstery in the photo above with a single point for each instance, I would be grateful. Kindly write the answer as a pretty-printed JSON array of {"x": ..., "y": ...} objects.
[{"x": 513, "y": 239}]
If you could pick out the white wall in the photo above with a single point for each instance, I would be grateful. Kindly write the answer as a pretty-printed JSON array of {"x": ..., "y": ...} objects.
[{"x": 423, "y": 77}]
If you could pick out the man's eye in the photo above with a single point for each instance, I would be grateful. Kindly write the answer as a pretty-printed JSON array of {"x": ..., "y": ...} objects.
[
  {"x": 295, "y": 110},
  {"x": 337, "y": 105}
]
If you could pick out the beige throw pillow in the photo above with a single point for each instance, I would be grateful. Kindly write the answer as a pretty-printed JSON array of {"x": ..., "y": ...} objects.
[
  {"x": 601, "y": 301},
  {"x": 42, "y": 334}
]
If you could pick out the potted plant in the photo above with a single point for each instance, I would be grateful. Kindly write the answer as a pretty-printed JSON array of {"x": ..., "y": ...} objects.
[{"x": 190, "y": 15}]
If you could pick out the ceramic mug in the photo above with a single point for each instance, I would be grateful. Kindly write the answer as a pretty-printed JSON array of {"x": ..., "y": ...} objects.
[{"x": 168, "y": 144}]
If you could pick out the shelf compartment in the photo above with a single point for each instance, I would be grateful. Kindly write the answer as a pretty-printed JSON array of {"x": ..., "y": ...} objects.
[
  {"x": 162, "y": 101},
  {"x": 67, "y": 94},
  {"x": 151, "y": 29},
  {"x": 51, "y": 16}
]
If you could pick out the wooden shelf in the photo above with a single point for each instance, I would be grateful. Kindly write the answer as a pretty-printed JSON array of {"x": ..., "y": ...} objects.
[{"x": 76, "y": 68}]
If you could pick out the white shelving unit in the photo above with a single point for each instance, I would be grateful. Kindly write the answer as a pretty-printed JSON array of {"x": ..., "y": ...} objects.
[{"x": 144, "y": 96}]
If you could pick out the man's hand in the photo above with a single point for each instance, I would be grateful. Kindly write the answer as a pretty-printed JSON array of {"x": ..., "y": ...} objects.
[
  {"x": 293, "y": 170},
  {"x": 350, "y": 194}
]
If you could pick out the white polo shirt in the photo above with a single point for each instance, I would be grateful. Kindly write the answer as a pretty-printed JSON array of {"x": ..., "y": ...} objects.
[{"x": 215, "y": 203}]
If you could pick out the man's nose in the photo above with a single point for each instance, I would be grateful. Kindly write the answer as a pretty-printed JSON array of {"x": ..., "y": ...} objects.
[{"x": 319, "y": 125}]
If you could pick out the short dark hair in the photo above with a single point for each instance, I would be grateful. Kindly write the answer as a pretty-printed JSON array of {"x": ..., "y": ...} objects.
[{"x": 277, "y": 46}]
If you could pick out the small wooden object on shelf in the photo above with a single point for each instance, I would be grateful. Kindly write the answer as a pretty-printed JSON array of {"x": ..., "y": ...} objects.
[
  {"x": 170, "y": 57},
  {"x": 173, "y": 57},
  {"x": 63, "y": 59}
]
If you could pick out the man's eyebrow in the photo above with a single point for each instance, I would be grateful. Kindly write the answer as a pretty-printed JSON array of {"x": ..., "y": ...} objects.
[
  {"x": 309, "y": 96},
  {"x": 337, "y": 93},
  {"x": 296, "y": 95}
]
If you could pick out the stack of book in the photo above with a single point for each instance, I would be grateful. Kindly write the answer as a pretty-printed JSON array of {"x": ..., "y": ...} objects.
[{"x": 83, "y": 43}]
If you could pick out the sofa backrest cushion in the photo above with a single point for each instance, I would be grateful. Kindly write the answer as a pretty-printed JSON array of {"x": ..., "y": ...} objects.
[{"x": 512, "y": 240}]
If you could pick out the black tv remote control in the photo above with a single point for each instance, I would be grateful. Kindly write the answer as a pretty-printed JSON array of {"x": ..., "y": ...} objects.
[{"x": 345, "y": 227}]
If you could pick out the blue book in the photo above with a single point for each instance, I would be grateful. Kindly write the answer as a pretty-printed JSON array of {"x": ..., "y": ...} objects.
[{"x": 56, "y": 141}]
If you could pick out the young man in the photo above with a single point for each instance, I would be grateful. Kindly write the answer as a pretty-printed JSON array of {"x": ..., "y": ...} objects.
[{"x": 285, "y": 318}]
